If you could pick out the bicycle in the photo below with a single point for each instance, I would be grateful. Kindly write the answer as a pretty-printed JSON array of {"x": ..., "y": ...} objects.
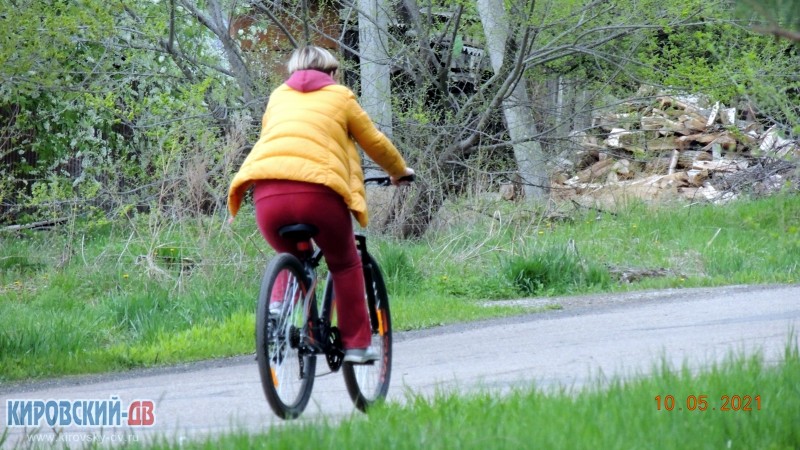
[{"x": 289, "y": 337}]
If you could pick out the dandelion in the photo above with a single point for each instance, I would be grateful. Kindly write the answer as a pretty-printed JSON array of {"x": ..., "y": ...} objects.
[{"x": 125, "y": 275}]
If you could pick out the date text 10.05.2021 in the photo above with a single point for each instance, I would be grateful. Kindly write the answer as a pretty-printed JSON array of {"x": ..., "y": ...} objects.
[{"x": 703, "y": 403}]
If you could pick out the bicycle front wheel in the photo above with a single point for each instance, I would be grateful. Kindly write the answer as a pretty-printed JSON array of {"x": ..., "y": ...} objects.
[
  {"x": 287, "y": 373},
  {"x": 369, "y": 383}
]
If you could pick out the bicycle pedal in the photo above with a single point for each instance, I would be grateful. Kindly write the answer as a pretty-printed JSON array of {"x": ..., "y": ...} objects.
[{"x": 365, "y": 363}]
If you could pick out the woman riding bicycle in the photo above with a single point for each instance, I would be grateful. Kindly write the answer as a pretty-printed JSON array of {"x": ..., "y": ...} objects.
[{"x": 305, "y": 169}]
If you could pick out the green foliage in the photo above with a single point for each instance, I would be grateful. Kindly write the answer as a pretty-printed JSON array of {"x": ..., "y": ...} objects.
[
  {"x": 20, "y": 264},
  {"x": 726, "y": 62},
  {"x": 610, "y": 414},
  {"x": 56, "y": 85},
  {"x": 95, "y": 109},
  {"x": 691, "y": 47},
  {"x": 211, "y": 338},
  {"x": 554, "y": 270},
  {"x": 96, "y": 298},
  {"x": 48, "y": 43},
  {"x": 783, "y": 14},
  {"x": 398, "y": 269}
]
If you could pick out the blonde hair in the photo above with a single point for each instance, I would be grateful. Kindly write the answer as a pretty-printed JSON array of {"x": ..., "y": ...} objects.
[{"x": 312, "y": 57}]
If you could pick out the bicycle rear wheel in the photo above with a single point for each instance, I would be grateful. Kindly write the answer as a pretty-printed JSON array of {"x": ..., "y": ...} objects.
[
  {"x": 369, "y": 383},
  {"x": 287, "y": 373}
]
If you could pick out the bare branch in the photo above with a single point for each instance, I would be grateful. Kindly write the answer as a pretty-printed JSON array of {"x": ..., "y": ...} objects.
[
  {"x": 779, "y": 32},
  {"x": 261, "y": 7}
]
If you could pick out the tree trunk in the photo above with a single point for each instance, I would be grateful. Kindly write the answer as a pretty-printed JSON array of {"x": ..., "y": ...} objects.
[
  {"x": 376, "y": 96},
  {"x": 516, "y": 107}
]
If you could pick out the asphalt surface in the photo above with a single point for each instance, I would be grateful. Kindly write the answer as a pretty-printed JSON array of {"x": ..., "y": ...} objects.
[{"x": 584, "y": 340}]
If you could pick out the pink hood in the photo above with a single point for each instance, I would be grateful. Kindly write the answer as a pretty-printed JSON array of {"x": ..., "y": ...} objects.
[{"x": 309, "y": 80}]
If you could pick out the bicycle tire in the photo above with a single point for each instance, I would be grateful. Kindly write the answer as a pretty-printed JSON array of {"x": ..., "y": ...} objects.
[
  {"x": 368, "y": 384},
  {"x": 287, "y": 377}
]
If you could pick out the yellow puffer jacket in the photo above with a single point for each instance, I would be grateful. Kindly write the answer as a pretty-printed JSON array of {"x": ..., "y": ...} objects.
[{"x": 308, "y": 136}]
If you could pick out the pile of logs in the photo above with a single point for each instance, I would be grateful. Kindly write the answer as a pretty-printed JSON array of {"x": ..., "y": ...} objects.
[{"x": 672, "y": 147}]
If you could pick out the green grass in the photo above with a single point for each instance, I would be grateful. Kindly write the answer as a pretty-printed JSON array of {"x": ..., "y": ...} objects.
[
  {"x": 154, "y": 290},
  {"x": 614, "y": 414}
]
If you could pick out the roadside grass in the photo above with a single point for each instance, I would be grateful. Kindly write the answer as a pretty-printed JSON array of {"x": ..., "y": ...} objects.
[
  {"x": 156, "y": 290},
  {"x": 670, "y": 409}
]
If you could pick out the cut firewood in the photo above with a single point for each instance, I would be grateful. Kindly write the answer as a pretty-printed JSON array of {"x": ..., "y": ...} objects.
[
  {"x": 634, "y": 139},
  {"x": 663, "y": 125},
  {"x": 697, "y": 177},
  {"x": 774, "y": 145},
  {"x": 724, "y": 139},
  {"x": 688, "y": 157},
  {"x": 712, "y": 116},
  {"x": 611, "y": 121},
  {"x": 702, "y": 138},
  {"x": 663, "y": 143},
  {"x": 678, "y": 145},
  {"x": 596, "y": 171},
  {"x": 673, "y": 162},
  {"x": 637, "y": 142},
  {"x": 674, "y": 103},
  {"x": 657, "y": 165},
  {"x": 614, "y": 137},
  {"x": 622, "y": 167},
  {"x": 677, "y": 179},
  {"x": 722, "y": 165},
  {"x": 716, "y": 151},
  {"x": 728, "y": 116},
  {"x": 620, "y": 170},
  {"x": 693, "y": 122}
]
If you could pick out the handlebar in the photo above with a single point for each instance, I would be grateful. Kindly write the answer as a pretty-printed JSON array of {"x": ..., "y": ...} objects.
[{"x": 387, "y": 181}]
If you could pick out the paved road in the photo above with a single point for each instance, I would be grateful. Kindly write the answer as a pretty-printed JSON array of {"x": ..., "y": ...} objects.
[{"x": 621, "y": 335}]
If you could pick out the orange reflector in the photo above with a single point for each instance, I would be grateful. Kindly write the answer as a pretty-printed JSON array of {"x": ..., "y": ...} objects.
[
  {"x": 274, "y": 376},
  {"x": 381, "y": 322}
]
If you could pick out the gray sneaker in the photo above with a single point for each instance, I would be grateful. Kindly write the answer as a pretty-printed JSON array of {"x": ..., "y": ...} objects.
[
  {"x": 275, "y": 308},
  {"x": 361, "y": 355}
]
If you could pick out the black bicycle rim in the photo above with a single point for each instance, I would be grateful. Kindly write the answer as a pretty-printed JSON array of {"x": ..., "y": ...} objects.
[
  {"x": 287, "y": 376},
  {"x": 369, "y": 383}
]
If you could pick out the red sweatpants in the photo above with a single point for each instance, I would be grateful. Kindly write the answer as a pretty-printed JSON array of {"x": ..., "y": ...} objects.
[{"x": 283, "y": 202}]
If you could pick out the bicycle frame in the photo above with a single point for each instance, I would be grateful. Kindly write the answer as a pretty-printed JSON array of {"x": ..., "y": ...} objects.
[
  {"x": 361, "y": 246},
  {"x": 315, "y": 332},
  {"x": 316, "y": 336}
]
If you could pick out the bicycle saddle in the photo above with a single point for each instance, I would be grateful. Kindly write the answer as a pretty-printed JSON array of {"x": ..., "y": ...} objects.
[{"x": 298, "y": 231}]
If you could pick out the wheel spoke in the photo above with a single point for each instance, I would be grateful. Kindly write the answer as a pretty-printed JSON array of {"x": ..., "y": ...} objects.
[
  {"x": 286, "y": 376},
  {"x": 368, "y": 384}
]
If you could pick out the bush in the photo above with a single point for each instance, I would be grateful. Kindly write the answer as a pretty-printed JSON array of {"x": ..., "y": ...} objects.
[{"x": 554, "y": 270}]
